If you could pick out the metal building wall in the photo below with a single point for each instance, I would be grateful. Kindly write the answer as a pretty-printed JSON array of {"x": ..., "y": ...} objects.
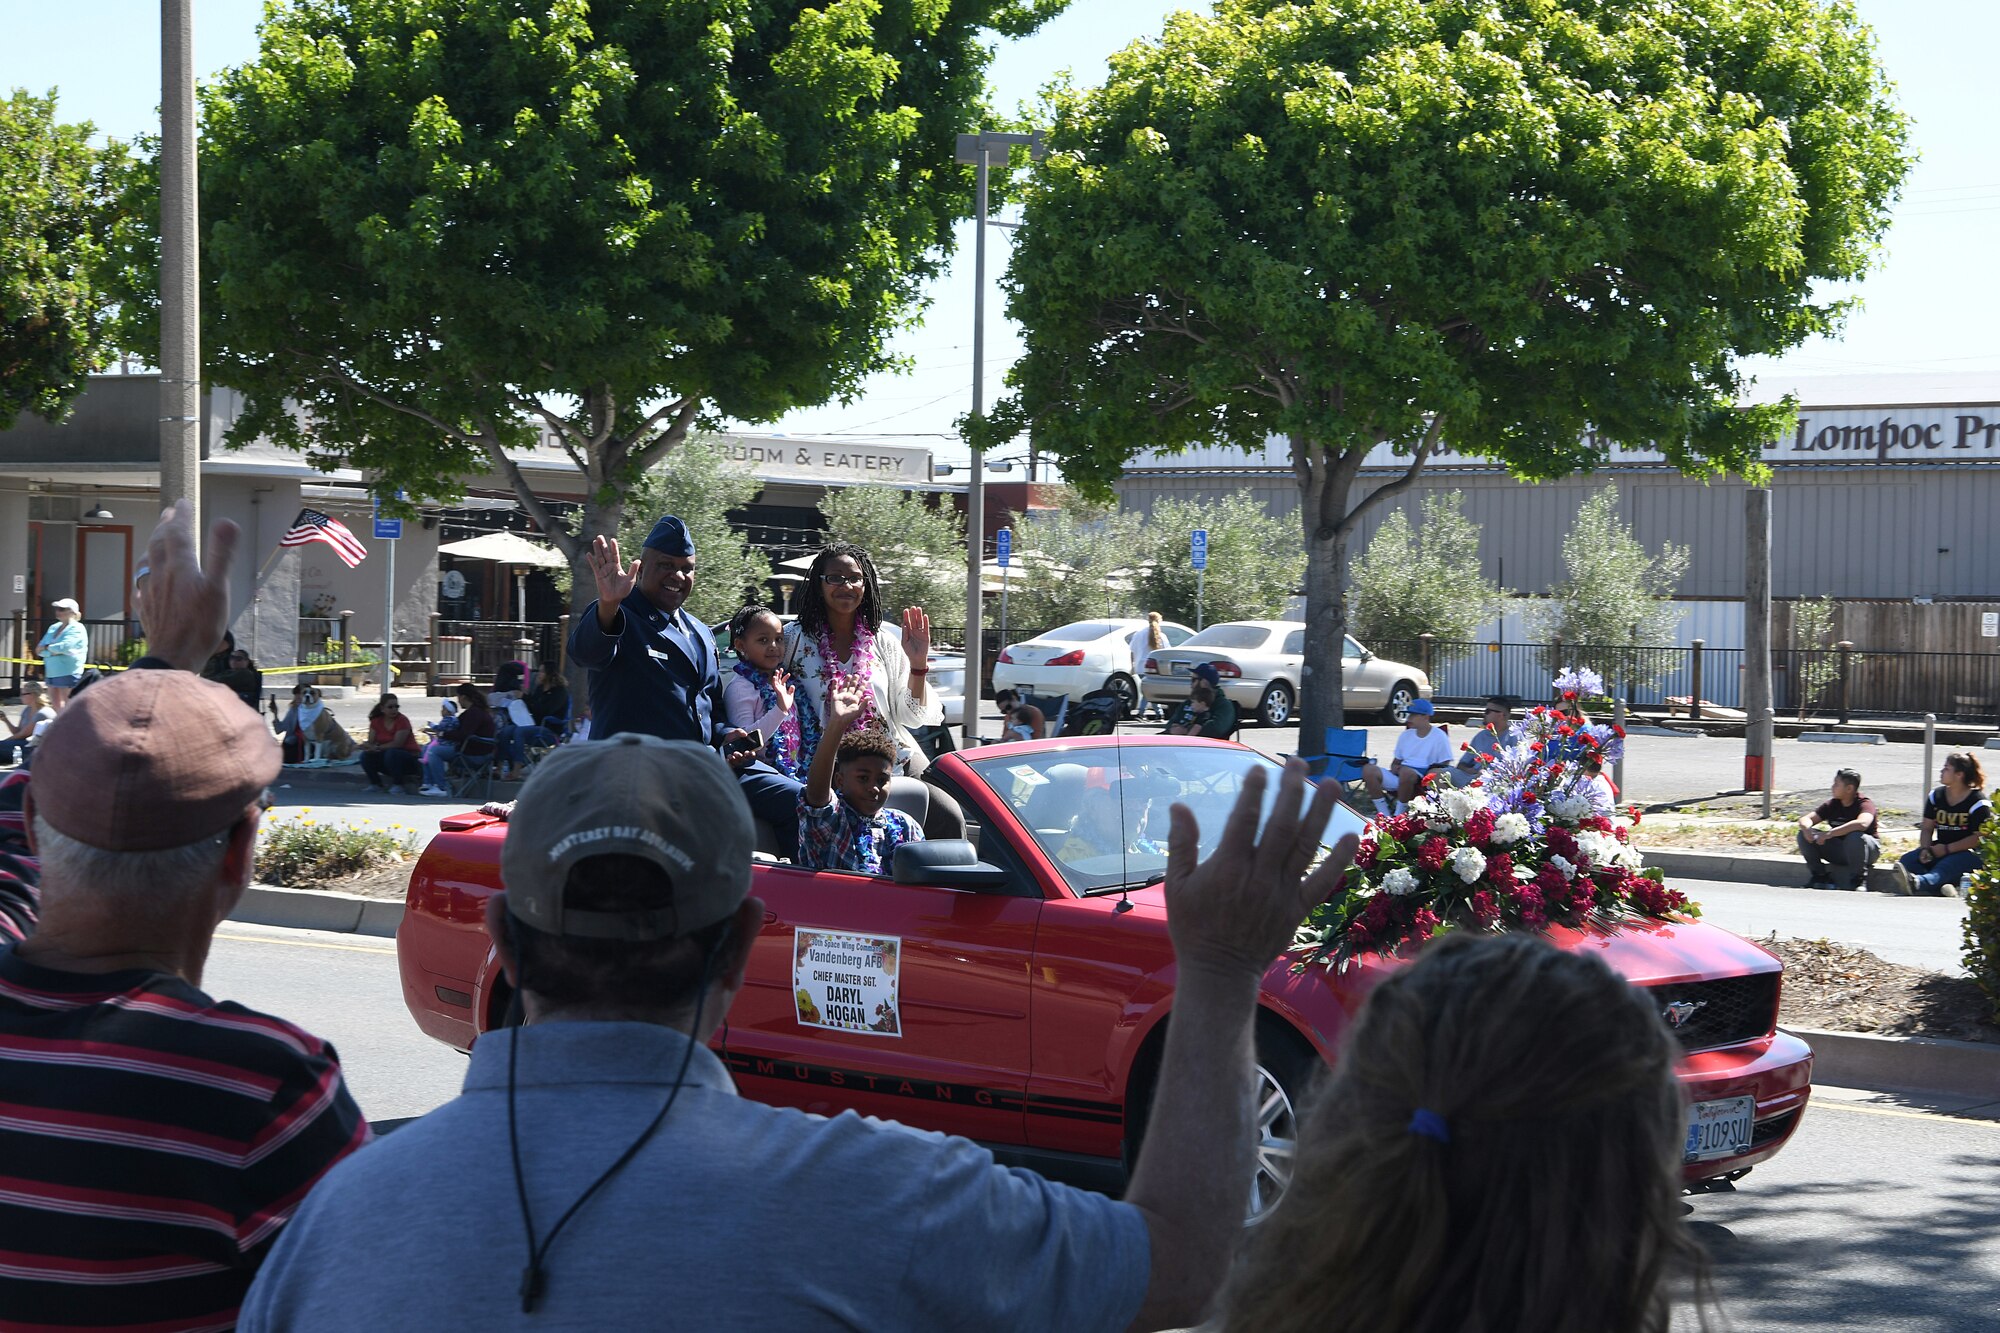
[{"x": 1852, "y": 532}]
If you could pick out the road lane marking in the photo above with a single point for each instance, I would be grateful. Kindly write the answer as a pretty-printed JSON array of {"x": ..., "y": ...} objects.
[
  {"x": 302, "y": 944},
  {"x": 1897, "y": 1113}
]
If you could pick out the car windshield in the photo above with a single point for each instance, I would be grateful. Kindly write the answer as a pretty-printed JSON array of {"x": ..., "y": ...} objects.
[
  {"x": 1230, "y": 636},
  {"x": 1100, "y": 812},
  {"x": 1081, "y": 632}
]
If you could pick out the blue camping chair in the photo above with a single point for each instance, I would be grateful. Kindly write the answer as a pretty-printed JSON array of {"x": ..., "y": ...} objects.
[{"x": 1345, "y": 754}]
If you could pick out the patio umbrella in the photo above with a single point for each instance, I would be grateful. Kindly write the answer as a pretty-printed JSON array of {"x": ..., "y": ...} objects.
[{"x": 508, "y": 548}]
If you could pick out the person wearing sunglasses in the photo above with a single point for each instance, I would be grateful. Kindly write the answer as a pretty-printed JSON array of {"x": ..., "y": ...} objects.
[
  {"x": 135, "y": 837},
  {"x": 390, "y": 754}
]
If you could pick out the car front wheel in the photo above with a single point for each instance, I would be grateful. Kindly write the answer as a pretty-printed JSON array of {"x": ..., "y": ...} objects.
[
  {"x": 1127, "y": 691},
  {"x": 1400, "y": 699},
  {"x": 1275, "y": 708}
]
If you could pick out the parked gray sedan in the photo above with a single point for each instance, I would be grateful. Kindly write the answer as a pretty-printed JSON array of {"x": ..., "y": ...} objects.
[{"x": 1260, "y": 663}]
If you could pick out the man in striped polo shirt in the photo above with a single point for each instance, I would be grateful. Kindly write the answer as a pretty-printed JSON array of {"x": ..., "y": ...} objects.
[{"x": 153, "y": 1140}]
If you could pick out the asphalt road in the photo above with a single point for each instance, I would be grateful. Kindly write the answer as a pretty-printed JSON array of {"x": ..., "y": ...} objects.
[
  {"x": 1918, "y": 932},
  {"x": 1880, "y": 1216}
]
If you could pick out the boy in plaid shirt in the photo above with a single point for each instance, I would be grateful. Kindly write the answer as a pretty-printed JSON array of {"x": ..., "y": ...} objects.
[{"x": 842, "y": 822}]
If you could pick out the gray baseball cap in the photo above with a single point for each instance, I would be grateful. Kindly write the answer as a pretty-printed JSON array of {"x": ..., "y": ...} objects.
[{"x": 674, "y": 803}]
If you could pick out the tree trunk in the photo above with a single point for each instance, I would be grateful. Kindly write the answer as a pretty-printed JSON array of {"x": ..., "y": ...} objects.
[{"x": 1320, "y": 685}]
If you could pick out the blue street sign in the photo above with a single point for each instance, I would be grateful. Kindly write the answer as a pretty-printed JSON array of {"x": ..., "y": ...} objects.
[
  {"x": 387, "y": 529},
  {"x": 1004, "y": 542},
  {"x": 1199, "y": 545}
]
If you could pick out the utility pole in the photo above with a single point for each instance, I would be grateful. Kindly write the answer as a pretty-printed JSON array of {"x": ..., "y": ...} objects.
[
  {"x": 180, "y": 267},
  {"x": 980, "y": 150},
  {"x": 1757, "y": 639}
]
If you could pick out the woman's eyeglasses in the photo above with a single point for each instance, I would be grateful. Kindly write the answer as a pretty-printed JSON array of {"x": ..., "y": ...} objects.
[{"x": 844, "y": 580}]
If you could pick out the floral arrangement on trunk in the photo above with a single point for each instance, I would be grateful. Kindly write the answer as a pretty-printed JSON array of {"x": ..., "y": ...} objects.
[{"x": 1534, "y": 839}]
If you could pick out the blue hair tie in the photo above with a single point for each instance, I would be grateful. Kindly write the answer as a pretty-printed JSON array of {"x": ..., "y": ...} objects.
[{"x": 1429, "y": 1125}]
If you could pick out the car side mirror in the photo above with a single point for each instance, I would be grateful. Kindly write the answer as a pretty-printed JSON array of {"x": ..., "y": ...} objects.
[
  {"x": 946, "y": 863},
  {"x": 1367, "y": 656}
]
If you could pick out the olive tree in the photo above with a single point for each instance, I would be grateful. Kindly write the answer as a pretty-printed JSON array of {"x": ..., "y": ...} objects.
[
  {"x": 1423, "y": 578},
  {"x": 1519, "y": 230},
  {"x": 1254, "y": 560},
  {"x": 918, "y": 547},
  {"x": 437, "y": 230},
  {"x": 1614, "y": 596}
]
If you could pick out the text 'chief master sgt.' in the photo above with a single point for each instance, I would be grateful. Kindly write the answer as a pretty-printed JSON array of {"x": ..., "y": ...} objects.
[{"x": 653, "y": 668}]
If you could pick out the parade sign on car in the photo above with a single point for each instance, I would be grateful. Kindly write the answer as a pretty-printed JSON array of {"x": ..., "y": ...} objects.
[{"x": 847, "y": 983}]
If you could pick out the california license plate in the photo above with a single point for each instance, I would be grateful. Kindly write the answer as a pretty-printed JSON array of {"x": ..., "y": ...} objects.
[
  {"x": 1720, "y": 1129},
  {"x": 1177, "y": 668}
]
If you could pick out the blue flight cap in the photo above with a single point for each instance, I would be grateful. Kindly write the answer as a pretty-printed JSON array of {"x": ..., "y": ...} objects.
[
  {"x": 1206, "y": 671},
  {"x": 670, "y": 537}
]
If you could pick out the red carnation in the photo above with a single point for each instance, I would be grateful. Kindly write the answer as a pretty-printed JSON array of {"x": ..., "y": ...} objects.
[
  {"x": 1549, "y": 883},
  {"x": 1529, "y": 902},
  {"x": 1596, "y": 823},
  {"x": 1582, "y": 894},
  {"x": 1562, "y": 843},
  {"x": 1423, "y": 925},
  {"x": 1500, "y": 868},
  {"x": 1364, "y": 855},
  {"x": 1431, "y": 855},
  {"x": 1479, "y": 826},
  {"x": 1484, "y": 909},
  {"x": 1620, "y": 834},
  {"x": 1634, "y": 812}
]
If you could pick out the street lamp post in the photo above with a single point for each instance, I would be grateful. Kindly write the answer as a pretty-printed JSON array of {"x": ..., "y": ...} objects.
[
  {"x": 980, "y": 150},
  {"x": 180, "y": 277}
]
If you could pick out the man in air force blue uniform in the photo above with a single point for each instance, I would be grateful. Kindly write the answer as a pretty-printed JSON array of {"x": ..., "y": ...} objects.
[{"x": 653, "y": 668}]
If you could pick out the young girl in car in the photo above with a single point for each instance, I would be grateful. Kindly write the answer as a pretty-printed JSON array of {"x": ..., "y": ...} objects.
[
  {"x": 843, "y": 822},
  {"x": 760, "y": 696}
]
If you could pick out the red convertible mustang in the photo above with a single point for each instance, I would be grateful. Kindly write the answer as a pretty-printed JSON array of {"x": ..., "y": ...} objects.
[{"x": 1011, "y": 980}]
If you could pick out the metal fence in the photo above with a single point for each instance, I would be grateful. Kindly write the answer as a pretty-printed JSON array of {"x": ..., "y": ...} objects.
[
  {"x": 498, "y": 641},
  {"x": 1825, "y": 684},
  {"x": 112, "y": 643}
]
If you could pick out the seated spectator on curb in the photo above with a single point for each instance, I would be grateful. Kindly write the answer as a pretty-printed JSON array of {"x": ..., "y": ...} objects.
[
  {"x": 390, "y": 754},
  {"x": 472, "y": 719},
  {"x": 154, "y": 1140},
  {"x": 35, "y": 710},
  {"x": 1418, "y": 1201},
  {"x": 1948, "y": 840},
  {"x": 548, "y": 704},
  {"x": 620, "y": 1181},
  {"x": 1839, "y": 838},
  {"x": 1421, "y": 750},
  {"x": 1207, "y": 711},
  {"x": 1487, "y": 742},
  {"x": 842, "y": 825},
  {"x": 1019, "y": 719}
]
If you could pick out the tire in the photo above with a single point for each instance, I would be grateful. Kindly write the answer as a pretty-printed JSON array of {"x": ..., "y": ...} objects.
[
  {"x": 1285, "y": 1070},
  {"x": 1400, "y": 698},
  {"x": 1127, "y": 691},
  {"x": 1275, "y": 708}
]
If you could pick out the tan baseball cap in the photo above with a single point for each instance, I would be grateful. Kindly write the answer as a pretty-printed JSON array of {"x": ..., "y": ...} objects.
[
  {"x": 150, "y": 759},
  {"x": 674, "y": 803}
]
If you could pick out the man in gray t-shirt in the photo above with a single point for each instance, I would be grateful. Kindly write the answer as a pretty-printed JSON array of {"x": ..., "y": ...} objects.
[{"x": 600, "y": 1171}]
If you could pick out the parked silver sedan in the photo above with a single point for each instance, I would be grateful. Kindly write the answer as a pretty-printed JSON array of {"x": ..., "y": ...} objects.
[{"x": 1260, "y": 664}]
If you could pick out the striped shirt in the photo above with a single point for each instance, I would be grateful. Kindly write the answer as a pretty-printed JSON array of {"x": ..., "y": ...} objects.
[
  {"x": 19, "y": 871},
  {"x": 153, "y": 1141}
]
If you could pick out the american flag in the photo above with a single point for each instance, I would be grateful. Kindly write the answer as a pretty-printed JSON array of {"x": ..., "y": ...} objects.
[{"x": 313, "y": 526}]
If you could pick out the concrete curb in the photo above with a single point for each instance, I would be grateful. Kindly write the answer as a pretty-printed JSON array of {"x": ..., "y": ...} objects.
[
  {"x": 1903, "y": 1064},
  {"x": 1733, "y": 867},
  {"x": 318, "y": 909}
]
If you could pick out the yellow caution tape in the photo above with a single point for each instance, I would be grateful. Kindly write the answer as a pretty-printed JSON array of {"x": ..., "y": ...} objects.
[{"x": 268, "y": 671}]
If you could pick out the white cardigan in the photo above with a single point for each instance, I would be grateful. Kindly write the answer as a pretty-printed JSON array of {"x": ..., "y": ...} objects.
[{"x": 893, "y": 702}]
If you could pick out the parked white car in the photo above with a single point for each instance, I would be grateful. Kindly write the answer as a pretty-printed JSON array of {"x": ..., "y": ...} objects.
[
  {"x": 1261, "y": 662},
  {"x": 947, "y": 681},
  {"x": 1078, "y": 658}
]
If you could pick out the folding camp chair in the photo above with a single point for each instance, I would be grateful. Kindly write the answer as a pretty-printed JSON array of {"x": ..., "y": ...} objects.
[
  {"x": 473, "y": 764},
  {"x": 1344, "y": 755}
]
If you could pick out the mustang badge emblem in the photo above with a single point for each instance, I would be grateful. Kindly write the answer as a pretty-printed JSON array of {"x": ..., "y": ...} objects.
[{"x": 1680, "y": 1011}]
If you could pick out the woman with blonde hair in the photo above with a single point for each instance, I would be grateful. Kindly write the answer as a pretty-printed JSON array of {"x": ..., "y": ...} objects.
[
  {"x": 1498, "y": 1148},
  {"x": 1148, "y": 639}
]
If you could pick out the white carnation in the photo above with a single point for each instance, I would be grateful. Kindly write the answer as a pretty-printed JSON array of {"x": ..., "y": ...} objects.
[
  {"x": 1628, "y": 856},
  {"x": 1570, "y": 806},
  {"x": 1564, "y": 865},
  {"x": 1399, "y": 882},
  {"x": 1468, "y": 863},
  {"x": 1601, "y": 848},
  {"x": 1459, "y": 804},
  {"x": 1510, "y": 828},
  {"x": 1427, "y": 809}
]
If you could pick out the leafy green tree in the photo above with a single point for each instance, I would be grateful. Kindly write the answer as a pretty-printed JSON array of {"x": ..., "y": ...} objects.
[
  {"x": 1074, "y": 561},
  {"x": 1613, "y": 595},
  {"x": 699, "y": 484},
  {"x": 918, "y": 548},
  {"x": 438, "y": 229},
  {"x": 1815, "y": 666},
  {"x": 63, "y": 226},
  {"x": 1424, "y": 579},
  {"x": 1523, "y": 230},
  {"x": 1255, "y": 561}
]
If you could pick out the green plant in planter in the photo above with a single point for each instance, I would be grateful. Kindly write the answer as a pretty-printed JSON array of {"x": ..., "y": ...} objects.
[
  {"x": 129, "y": 652},
  {"x": 1981, "y": 889}
]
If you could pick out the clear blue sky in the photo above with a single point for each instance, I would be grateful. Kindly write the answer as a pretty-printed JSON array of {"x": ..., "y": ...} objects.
[{"x": 1929, "y": 308}]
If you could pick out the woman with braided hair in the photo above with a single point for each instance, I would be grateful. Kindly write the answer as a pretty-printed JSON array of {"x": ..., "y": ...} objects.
[
  {"x": 1499, "y": 1147},
  {"x": 841, "y": 635}
]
